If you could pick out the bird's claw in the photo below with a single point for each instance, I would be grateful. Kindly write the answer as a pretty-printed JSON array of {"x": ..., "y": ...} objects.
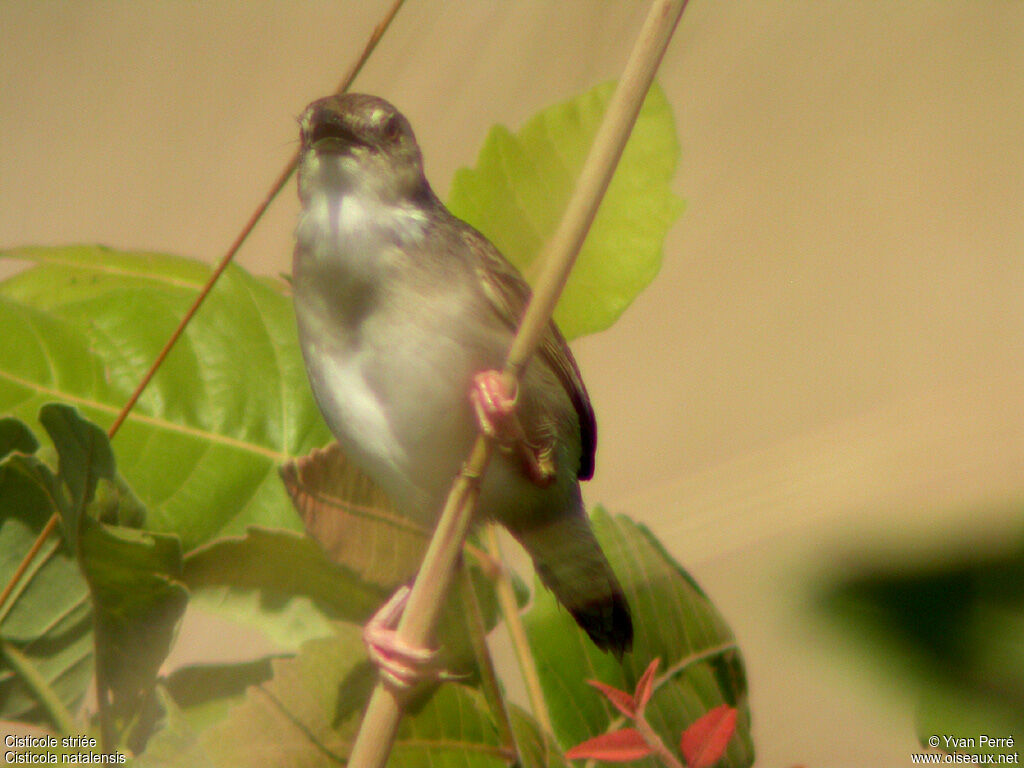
[
  {"x": 402, "y": 664},
  {"x": 495, "y": 404}
]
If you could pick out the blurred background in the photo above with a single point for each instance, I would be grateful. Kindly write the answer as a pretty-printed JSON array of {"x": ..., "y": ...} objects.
[{"x": 826, "y": 373}]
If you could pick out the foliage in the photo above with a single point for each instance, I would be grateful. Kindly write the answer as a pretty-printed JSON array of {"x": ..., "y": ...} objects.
[
  {"x": 677, "y": 623},
  {"x": 703, "y": 743},
  {"x": 952, "y": 628},
  {"x": 521, "y": 184},
  {"x": 130, "y": 577}
]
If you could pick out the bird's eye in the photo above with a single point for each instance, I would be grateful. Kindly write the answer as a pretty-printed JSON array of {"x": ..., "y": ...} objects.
[{"x": 392, "y": 128}]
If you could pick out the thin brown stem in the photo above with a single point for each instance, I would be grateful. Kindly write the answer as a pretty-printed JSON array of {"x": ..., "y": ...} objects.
[
  {"x": 275, "y": 189},
  {"x": 226, "y": 259},
  {"x": 371, "y": 44},
  {"x": 27, "y": 560},
  {"x": 380, "y": 723}
]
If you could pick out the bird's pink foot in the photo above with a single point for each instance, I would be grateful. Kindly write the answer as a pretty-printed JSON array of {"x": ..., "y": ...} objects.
[
  {"x": 494, "y": 401},
  {"x": 402, "y": 664},
  {"x": 495, "y": 405}
]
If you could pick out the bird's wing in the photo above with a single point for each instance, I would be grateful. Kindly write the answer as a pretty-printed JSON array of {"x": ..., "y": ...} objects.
[{"x": 509, "y": 293}]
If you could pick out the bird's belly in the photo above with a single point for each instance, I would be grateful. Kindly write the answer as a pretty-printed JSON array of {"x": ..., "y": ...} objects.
[{"x": 402, "y": 416}]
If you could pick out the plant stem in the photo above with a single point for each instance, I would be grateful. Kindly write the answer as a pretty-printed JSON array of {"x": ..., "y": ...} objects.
[
  {"x": 510, "y": 612},
  {"x": 380, "y": 723},
  {"x": 377, "y": 730},
  {"x": 488, "y": 677},
  {"x": 26, "y": 561},
  {"x": 694, "y": 658},
  {"x": 663, "y": 753},
  {"x": 275, "y": 189},
  {"x": 596, "y": 174}
]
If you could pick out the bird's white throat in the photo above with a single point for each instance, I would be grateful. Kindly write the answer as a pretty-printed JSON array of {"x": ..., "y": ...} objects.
[
  {"x": 351, "y": 211},
  {"x": 358, "y": 224}
]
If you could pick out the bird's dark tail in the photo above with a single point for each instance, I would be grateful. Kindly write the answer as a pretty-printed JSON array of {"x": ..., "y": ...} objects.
[{"x": 571, "y": 564}]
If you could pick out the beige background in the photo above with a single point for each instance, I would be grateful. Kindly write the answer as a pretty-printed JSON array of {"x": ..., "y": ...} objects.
[{"x": 831, "y": 357}]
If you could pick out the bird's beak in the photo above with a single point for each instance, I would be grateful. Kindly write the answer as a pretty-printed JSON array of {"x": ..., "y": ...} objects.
[{"x": 324, "y": 131}]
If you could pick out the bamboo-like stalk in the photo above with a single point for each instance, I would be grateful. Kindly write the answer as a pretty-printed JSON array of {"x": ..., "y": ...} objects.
[{"x": 380, "y": 723}]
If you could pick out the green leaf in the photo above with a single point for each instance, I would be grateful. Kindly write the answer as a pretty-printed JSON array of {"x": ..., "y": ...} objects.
[
  {"x": 63, "y": 658},
  {"x": 33, "y": 679},
  {"x": 230, "y": 403},
  {"x": 536, "y": 749},
  {"x": 15, "y": 435},
  {"x": 282, "y": 565},
  {"x": 115, "y": 502},
  {"x": 133, "y": 576},
  {"x": 84, "y": 457},
  {"x": 950, "y": 627},
  {"x": 673, "y": 620},
  {"x": 205, "y": 694},
  {"x": 47, "y": 619},
  {"x": 521, "y": 185},
  {"x": 308, "y": 713},
  {"x": 176, "y": 743},
  {"x": 285, "y": 585},
  {"x": 129, "y": 573}
]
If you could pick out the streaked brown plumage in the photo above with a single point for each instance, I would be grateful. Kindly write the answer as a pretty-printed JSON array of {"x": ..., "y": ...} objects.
[{"x": 399, "y": 305}]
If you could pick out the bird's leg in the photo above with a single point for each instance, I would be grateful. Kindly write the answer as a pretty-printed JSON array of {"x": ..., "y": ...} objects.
[
  {"x": 402, "y": 664},
  {"x": 495, "y": 404}
]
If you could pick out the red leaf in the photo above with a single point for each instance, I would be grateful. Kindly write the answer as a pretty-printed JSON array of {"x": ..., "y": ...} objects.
[
  {"x": 704, "y": 742},
  {"x": 617, "y": 747},
  {"x": 644, "y": 686},
  {"x": 622, "y": 700}
]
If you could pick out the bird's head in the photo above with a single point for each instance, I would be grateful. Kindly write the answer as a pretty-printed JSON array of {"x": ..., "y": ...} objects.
[{"x": 356, "y": 143}]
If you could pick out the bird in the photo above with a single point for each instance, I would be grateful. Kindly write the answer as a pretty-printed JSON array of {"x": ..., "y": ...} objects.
[{"x": 405, "y": 314}]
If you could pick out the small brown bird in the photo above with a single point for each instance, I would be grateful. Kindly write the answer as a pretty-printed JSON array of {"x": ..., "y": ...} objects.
[{"x": 405, "y": 314}]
